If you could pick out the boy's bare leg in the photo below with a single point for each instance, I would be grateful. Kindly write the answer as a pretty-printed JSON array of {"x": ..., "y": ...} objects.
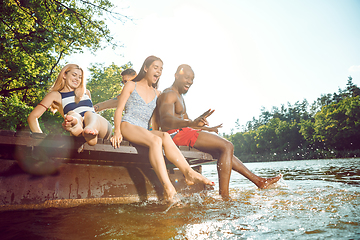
[{"x": 73, "y": 123}]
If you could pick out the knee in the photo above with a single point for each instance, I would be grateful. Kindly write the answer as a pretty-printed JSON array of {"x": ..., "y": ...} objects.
[
  {"x": 167, "y": 140},
  {"x": 88, "y": 114},
  {"x": 227, "y": 146},
  {"x": 165, "y": 137},
  {"x": 156, "y": 141}
]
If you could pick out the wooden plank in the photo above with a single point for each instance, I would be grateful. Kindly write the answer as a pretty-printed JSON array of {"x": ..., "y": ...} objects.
[{"x": 60, "y": 146}]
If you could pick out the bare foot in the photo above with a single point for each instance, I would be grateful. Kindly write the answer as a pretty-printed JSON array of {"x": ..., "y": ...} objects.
[
  {"x": 72, "y": 125},
  {"x": 266, "y": 182},
  {"x": 170, "y": 195},
  {"x": 192, "y": 177},
  {"x": 226, "y": 198},
  {"x": 90, "y": 136}
]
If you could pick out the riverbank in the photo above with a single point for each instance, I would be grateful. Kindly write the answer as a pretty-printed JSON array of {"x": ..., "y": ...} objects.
[{"x": 301, "y": 154}]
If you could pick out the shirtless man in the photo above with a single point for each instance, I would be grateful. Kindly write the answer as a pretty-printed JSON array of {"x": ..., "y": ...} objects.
[
  {"x": 172, "y": 117},
  {"x": 127, "y": 75}
]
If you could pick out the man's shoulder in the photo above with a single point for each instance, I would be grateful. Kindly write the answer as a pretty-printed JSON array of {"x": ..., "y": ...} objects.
[
  {"x": 168, "y": 94},
  {"x": 168, "y": 90}
]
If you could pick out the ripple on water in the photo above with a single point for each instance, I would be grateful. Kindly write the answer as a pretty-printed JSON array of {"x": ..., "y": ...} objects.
[
  {"x": 309, "y": 210},
  {"x": 314, "y": 200}
]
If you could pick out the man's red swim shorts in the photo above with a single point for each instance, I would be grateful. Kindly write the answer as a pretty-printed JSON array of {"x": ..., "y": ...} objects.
[{"x": 184, "y": 136}]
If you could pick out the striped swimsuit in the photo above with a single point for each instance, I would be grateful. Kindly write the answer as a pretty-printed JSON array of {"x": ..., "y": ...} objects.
[
  {"x": 68, "y": 103},
  {"x": 137, "y": 112},
  {"x": 85, "y": 105}
]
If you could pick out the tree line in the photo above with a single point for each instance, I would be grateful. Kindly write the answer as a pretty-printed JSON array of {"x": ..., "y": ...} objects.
[{"x": 327, "y": 128}]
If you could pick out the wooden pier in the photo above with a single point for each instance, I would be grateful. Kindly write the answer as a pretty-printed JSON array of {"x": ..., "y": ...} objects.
[{"x": 40, "y": 171}]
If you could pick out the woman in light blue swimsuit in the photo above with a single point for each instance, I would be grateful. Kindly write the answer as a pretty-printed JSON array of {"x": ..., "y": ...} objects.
[{"x": 138, "y": 98}]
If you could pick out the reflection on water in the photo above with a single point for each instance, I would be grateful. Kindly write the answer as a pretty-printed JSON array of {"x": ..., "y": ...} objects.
[{"x": 316, "y": 199}]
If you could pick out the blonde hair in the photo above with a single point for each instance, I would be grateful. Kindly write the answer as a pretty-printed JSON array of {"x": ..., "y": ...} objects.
[{"x": 60, "y": 83}]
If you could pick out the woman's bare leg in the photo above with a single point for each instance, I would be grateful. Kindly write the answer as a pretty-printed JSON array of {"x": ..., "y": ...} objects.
[
  {"x": 175, "y": 156},
  {"x": 73, "y": 123},
  {"x": 95, "y": 126},
  {"x": 144, "y": 137}
]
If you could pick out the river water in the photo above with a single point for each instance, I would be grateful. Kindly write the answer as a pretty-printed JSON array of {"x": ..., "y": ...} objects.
[{"x": 315, "y": 199}]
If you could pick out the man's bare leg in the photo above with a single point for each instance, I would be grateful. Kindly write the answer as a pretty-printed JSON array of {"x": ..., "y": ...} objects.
[
  {"x": 208, "y": 142},
  {"x": 211, "y": 143},
  {"x": 73, "y": 123},
  {"x": 260, "y": 182}
]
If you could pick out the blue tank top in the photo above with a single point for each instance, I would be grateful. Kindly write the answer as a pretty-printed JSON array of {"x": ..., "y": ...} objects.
[
  {"x": 68, "y": 103},
  {"x": 138, "y": 112}
]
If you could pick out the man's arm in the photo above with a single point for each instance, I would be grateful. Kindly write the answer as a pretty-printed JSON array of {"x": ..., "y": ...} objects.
[
  {"x": 167, "y": 117},
  {"x": 111, "y": 103}
]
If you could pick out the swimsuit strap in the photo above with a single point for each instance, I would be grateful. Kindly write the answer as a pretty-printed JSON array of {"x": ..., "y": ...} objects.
[{"x": 139, "y": 94}]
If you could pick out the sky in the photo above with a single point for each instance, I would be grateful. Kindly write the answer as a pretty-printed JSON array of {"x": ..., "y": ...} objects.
[{"x": 246, "y": 54}]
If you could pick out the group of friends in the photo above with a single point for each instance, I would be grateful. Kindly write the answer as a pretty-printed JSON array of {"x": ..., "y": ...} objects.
[{"x": 149, "y": 118}]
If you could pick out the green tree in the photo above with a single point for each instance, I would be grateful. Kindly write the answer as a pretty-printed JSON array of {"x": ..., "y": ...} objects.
[
  {"x": 307, "y": 130},
  {"x": 338, "y": 124},
  {"x": 331, "y": 123},
  {"x": 244, "y": 143},
  {"x": 289, "y": 136},
  {"x": 15, "y": 117},
  {"x": 36, "y": 34},
  {"x": 265, "y": 137},
  {"x": 351, "y": 89}
]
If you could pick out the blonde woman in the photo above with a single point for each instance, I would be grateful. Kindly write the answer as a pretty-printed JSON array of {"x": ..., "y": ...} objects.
[{"x": 72, "y": 100}]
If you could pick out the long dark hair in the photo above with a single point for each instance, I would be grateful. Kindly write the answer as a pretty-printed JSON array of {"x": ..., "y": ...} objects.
[{"x": 148, "y": 61}]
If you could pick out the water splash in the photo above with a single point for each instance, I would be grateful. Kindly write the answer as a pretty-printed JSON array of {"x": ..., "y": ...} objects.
[{"x": 313, "y": 200}]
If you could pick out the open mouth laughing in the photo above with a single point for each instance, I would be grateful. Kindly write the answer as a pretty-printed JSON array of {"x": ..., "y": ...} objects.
[{"x": 157, "y": 76}]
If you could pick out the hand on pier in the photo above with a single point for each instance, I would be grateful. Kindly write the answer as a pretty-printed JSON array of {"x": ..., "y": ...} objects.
[{"x": 116, "y": 140}]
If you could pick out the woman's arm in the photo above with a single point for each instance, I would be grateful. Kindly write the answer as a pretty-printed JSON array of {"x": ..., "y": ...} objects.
[
  {"x": 39, "y": 111},
  {"x": 122, "y": 99},
  {"x": 88, "y": 93},
  {"x": 154, "y": 121}
]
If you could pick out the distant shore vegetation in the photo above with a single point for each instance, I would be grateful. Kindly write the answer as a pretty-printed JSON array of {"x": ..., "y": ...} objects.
[{"x": 327, "y": 128}]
